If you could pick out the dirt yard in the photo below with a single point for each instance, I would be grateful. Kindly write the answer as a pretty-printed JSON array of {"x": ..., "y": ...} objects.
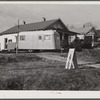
[{"x": 46, "y": 71}]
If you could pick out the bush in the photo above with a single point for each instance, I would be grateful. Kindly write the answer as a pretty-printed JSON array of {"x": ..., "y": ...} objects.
[{"x": 76, "y": 44}]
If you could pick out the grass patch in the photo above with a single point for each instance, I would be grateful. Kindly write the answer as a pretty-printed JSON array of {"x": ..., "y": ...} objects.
[
  {"x": 4, "y": 59},
  {"x": 30, "y": 72},
  {"x": 59, "y": 79}
]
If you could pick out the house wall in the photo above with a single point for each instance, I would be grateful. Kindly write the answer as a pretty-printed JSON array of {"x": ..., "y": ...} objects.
[
  {"x": 31, "y": 40},
  {"x": 10, "y": 36},
  {"x": 80, "y": 37},
  {"x": 72, "y": 38}
]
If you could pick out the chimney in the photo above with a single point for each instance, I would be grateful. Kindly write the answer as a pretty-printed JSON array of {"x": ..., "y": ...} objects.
[
  {"x": 44, "y": 19},
  {"x": 24, "y": 22}
]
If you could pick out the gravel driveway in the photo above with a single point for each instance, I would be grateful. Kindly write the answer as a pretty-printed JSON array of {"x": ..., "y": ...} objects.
[{"x": 57, "y": 56}]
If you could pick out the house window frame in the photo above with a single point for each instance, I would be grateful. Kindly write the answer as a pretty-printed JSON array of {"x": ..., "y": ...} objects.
[
  {"x": 10, "y": 40},
  {"x": 22, "y": 37},
  {"x": 39, "y": 37},
  {"x": 46, "y": 37}
]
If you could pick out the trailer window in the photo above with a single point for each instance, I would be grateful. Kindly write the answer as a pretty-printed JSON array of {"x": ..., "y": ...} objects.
[
  {"x": 47, "y": 37},
  {"x": 22, "y": 37},
  {"x": 10, "y": 40},
  {"x": 40, "y": 37}
]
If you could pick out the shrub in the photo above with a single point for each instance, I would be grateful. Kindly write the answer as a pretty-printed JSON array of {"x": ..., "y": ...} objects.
[{"x": 76, "y": 44}]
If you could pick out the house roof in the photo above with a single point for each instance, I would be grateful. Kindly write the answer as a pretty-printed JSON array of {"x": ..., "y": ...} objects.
[
  {"x": 82, "y": 31},
  {"x": 33, "y": 26},
  {"x": 98, "y": 33}
]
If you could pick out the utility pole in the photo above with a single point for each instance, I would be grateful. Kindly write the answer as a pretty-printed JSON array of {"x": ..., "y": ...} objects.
[{"x": 17, "y": 39}]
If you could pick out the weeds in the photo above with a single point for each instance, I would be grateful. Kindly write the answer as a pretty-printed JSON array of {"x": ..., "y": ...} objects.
[
  {"x": 29, "y": 72},
  {"x": 18, "y": 58},
  {"x": 45, "y": 80}
]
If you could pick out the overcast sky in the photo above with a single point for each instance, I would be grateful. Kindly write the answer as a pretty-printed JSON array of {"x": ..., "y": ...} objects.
[{"x": 70, "y": 14}]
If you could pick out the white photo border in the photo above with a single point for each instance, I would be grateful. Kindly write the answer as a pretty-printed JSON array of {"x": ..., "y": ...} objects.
[{"x": 31, "y": 94}]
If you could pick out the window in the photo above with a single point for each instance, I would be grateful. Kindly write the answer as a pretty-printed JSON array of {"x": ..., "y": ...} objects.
[
  {"x": 40, "y": 37},
  {"x": 10, "y": 40},
  {"x": 22, "y": 37},
  {"x": 47, "y": 37}
]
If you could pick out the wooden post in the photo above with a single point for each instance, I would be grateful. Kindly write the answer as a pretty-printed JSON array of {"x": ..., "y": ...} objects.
[
  {"x": 62, "y": 36},
  {"x": 69, "y": 39},
  {"x": 17, "y": 39},
  {"x": 92, "y": 40}
]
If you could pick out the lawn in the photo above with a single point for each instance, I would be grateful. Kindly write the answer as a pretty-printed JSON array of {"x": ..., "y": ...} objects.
[{"x": 27, "y": 71}]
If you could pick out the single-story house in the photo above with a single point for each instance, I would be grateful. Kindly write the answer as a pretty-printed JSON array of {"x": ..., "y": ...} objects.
[
  {"x": 87, "y": 34},
  {"x": 55, "y": 24},
  {"x": 98, "y": 35}
]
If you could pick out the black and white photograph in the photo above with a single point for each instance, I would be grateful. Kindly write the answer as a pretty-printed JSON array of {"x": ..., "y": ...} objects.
[{"x": 52, "y": 47}]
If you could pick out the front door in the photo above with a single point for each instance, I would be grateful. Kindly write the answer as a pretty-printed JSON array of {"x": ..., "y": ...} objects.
[
  {"x": 40, "y": 41},
  {"x": 5, "y": 43}
]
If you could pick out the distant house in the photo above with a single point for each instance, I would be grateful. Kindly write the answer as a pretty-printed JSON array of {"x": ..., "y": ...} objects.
[
  {"x": 98, "y": 35},
  {"x": 56, "y": 24},
  {"x": 87, "y": 34}
]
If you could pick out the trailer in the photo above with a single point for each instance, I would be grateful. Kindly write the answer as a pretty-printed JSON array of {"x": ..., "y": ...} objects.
[{"x": 32, "y": 40}]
